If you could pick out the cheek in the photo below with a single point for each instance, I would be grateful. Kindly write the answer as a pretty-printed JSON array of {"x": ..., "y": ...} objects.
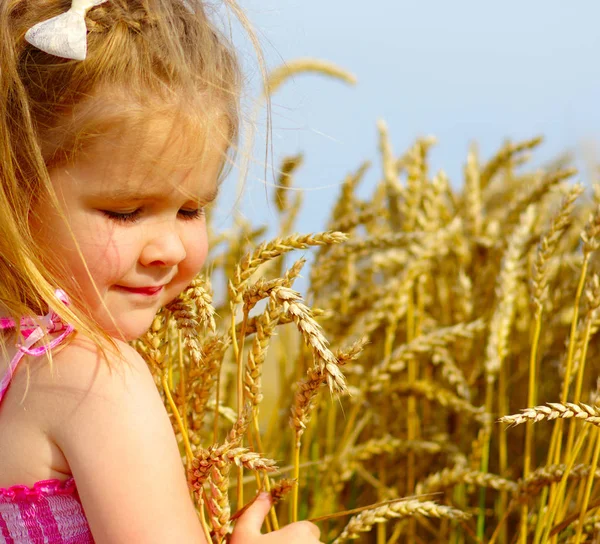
[
  {"x": 196, "y": 249},
  {"x": 97, "y": 246},
  {"x": 106, "y": 254},
  {"x": 196, "y": 252}
]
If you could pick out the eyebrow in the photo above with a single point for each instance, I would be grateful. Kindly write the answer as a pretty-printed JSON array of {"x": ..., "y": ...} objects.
[{"x": 127, "y": 193}]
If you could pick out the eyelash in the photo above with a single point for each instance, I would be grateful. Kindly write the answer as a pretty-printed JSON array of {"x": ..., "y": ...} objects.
[{"x": 188, "y": 215}]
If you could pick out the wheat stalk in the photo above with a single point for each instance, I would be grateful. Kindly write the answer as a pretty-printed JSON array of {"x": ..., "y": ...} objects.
[
  {"x": 364, "y": 521},
  {"x": 305, "y": 65},
  {"x": 449, "y": 477},
  {"x": 555, "y": 410}
]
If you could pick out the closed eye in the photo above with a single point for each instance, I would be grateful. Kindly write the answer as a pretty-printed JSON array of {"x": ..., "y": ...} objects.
[
  {"x": 192, "y": 214},
  {"x": 122, "y": 217},
  {"x": 134, "y": 216}
]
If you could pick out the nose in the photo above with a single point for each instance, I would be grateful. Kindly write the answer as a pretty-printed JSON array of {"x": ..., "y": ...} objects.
[{"x": 164, "y": 249}]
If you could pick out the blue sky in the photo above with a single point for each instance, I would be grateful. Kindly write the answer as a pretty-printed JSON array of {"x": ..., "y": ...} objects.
[{"x": 462, "y": 71}]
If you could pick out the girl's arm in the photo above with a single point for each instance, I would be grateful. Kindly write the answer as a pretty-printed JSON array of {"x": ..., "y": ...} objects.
[
  {"x": 115, "y": 433},
  {"x": 116, "y": 436}
]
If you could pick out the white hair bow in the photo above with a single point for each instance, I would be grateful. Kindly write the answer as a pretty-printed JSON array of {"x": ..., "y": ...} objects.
[{"x": 66, "y": 34}]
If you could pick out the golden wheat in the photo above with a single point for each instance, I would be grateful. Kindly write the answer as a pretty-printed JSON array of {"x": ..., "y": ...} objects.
[
  {"x": 438, "y": 290},
  {"x": 554, "y": 410},
  {"x": 365, "y": 520}
]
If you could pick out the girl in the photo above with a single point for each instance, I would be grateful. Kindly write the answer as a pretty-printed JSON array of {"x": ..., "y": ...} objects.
[{"x": 116, "y": 121}]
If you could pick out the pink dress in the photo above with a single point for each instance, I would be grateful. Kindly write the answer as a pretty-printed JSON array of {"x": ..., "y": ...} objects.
[{"x": 50, "y": 512}]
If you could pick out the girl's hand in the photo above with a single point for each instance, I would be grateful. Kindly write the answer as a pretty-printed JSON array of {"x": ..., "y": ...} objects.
[{"x": 247, "y": 528}]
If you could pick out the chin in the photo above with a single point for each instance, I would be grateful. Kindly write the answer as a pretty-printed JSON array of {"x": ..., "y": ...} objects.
[{"x": 130, "y": 330}]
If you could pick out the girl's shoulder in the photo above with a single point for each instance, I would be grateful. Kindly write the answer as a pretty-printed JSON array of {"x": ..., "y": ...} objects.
[
  {"x": 111, "y": 425},
  {"x": 81, "y": 377},
  {"x": 82, "y": 353},
  {"x": 81, "y": 359}
]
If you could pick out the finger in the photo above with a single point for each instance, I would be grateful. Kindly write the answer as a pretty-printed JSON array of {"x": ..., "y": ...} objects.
[
  {"x": 310, "y": 527},
  {"x": 316, "y": 532},
  {"x": 252, "y": 519}
]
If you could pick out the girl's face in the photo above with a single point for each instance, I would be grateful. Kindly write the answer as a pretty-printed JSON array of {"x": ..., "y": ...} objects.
[{"x": 135, "y": 207}]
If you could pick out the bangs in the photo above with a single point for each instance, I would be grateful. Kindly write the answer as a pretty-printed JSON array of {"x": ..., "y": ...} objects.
[{"x": 147, "y": 129}]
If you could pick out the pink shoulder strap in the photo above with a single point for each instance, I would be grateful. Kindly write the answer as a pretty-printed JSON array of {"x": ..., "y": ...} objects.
[{"x": 33, "y": 332}]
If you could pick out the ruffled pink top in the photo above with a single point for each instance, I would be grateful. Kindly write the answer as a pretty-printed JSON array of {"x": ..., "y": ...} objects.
[{"x": 50, "y": 511}]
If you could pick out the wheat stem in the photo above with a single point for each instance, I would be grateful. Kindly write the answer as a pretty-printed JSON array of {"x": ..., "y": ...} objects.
[
  {"x": 296, "y": 476},
  {"x": 412, "y": 403},
  {"x": 485, "y": 459},
  {"x": 240, "y": 397},
  {"x": 554, "y": 454},
  {"x": 571, "y": 353},
  {"x": 175, "y": 410},
  {"x": 502, "y": 443},
  {"x": 594, "y": 296},
  {"x": 182, "y": 387},
  {"x": 588, "y": 485},
  {"x": 555, "y": 440},
  {"x": 531, "y": 401},
  {"x": 555, "y": 498},
  {"x": 267, "y": 481},
  {"x": 204, "y": 523},
  {"x": 238, "y": 353}
]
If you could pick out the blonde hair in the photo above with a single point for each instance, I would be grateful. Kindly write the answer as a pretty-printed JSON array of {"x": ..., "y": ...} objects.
[{"x": 151, "y": 50}]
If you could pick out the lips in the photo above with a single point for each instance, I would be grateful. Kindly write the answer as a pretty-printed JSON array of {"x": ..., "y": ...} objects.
[{"x": 142, "y": 290}]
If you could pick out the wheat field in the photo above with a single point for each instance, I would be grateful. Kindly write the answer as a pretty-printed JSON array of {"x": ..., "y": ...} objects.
[{"x": 436, "y": 382}]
